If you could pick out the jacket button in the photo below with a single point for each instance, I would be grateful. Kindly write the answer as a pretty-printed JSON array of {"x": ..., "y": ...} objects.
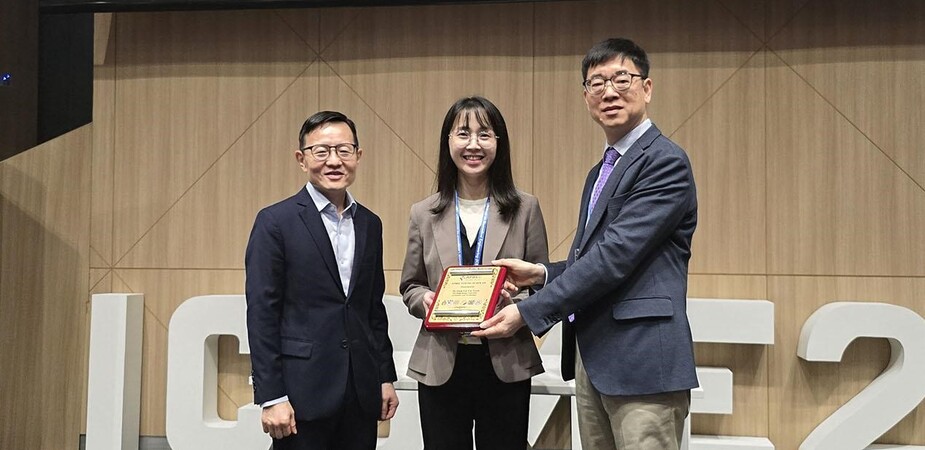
[{"x": 343, "y": 343}]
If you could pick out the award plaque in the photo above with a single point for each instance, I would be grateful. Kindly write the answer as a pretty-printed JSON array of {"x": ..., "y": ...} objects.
[{"x": 466, "y": 296}]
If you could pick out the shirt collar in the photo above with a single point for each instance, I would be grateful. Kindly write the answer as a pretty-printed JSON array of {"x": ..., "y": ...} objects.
[
  {"x": 322, "y": 202},
  {"x": 624, "y": 144}
]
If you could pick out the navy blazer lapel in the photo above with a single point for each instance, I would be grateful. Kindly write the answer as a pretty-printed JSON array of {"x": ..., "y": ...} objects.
[
  {"x": 635, "y": 151},
  {"x": 360, "y": 227},
  {"x": 312, "y": 220}
]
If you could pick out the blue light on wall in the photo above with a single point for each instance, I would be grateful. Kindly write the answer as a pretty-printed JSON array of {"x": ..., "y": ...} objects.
[{"x": 5, "y": 79}]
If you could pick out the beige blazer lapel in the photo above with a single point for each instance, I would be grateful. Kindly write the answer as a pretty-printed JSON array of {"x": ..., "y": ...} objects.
[
  {"x": 444, "y": 232},
  {"x": 494, "y": 237}
]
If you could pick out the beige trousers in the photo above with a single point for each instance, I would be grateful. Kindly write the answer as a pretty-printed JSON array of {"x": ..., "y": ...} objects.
[{"x": 630, "y": 422}]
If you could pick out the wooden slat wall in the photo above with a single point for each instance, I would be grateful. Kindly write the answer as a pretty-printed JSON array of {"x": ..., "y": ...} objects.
[
  {"x": 44, "y": 244},
  {"x": 801, "y": 120}
]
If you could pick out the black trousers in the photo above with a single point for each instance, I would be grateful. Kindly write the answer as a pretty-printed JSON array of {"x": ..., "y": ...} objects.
[
  {"x": 474, "y": 394},
  {"x": 350, "y": 429}
]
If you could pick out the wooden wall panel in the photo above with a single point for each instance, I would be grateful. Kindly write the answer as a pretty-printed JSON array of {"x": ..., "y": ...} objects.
[
  {"x": 102, "y": 33},
  {"x": 705, "y": 47},
  {"x": 309, "y": 26},
  {"x": 392, "y": 280},
  {"x": 22, "y": 324},
  {"x": 752, "y": 14},
  {"x": 234, "y": 391},
  {"x": 209, "y": 225},
  {"x": 197, "y": 82},
  {"x": 726, "y": 143},
  {"x": 802, "y": 131},
  {"x": 803, "y": 394},
  {"x": 840, "y": 205},
  {"x": 410, "y": 64},
  {"x": 101, "y": 183},
  {"x": 765, "y": 18},
  {"x": 757, "y": 129},
  {"x": 389, "y": 177},
  {"x": 748, "y": 363},
  {"x": 44, "y": 267},
  {"x": 881, "y": 55},
  {"x": 164, "y": 290}
]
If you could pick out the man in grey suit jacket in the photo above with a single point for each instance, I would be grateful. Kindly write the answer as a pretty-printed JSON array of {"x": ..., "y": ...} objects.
[{"x": 622, "y": 291}]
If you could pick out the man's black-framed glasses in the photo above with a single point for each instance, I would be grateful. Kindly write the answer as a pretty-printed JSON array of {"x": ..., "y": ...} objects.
[
  {"x": 621, "y": 82},
  {"x": 322, "y": 152}
]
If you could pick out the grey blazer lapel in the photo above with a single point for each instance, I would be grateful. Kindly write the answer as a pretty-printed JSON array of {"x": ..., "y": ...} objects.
[{"x": 312, "y": 220}]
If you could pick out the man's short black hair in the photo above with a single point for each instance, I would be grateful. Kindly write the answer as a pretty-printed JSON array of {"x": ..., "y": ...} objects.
[
  {"x": 613, "y": 48},
  {"x": 320, "y": 118}
]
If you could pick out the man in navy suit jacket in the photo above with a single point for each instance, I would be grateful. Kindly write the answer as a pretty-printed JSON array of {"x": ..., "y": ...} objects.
[
  {"x": 317, "y": 327},
  {"x": 622, "y": 291}
]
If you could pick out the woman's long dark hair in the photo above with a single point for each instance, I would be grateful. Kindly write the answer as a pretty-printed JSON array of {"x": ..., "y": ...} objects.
[{"x": 500, "y": 180}]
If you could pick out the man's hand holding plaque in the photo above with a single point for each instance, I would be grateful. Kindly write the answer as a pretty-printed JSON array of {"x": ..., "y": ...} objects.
[
  {"x": 465, "y": 297},
  {"x": 508, "y": 321}
]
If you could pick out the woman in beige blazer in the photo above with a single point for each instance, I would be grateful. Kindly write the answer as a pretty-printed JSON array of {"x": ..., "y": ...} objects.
[{"x": 476, "y": 216}]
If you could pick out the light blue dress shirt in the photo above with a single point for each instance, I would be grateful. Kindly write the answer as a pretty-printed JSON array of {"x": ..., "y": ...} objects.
[{"x": 340, "y": 231}]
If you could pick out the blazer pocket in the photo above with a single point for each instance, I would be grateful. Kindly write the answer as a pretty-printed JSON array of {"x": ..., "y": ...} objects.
[
  {"x": 616, "y": 203},
  {"x": 299, "y": 349},
  {"x": 643, "y": 308}
]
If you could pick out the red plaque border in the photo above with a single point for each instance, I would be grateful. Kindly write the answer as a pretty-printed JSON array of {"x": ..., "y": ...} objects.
[{"x": 466, "y": 326}]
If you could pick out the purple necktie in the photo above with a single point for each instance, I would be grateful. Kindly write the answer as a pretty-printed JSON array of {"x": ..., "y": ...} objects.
[{"x": 610, "y": 158}]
